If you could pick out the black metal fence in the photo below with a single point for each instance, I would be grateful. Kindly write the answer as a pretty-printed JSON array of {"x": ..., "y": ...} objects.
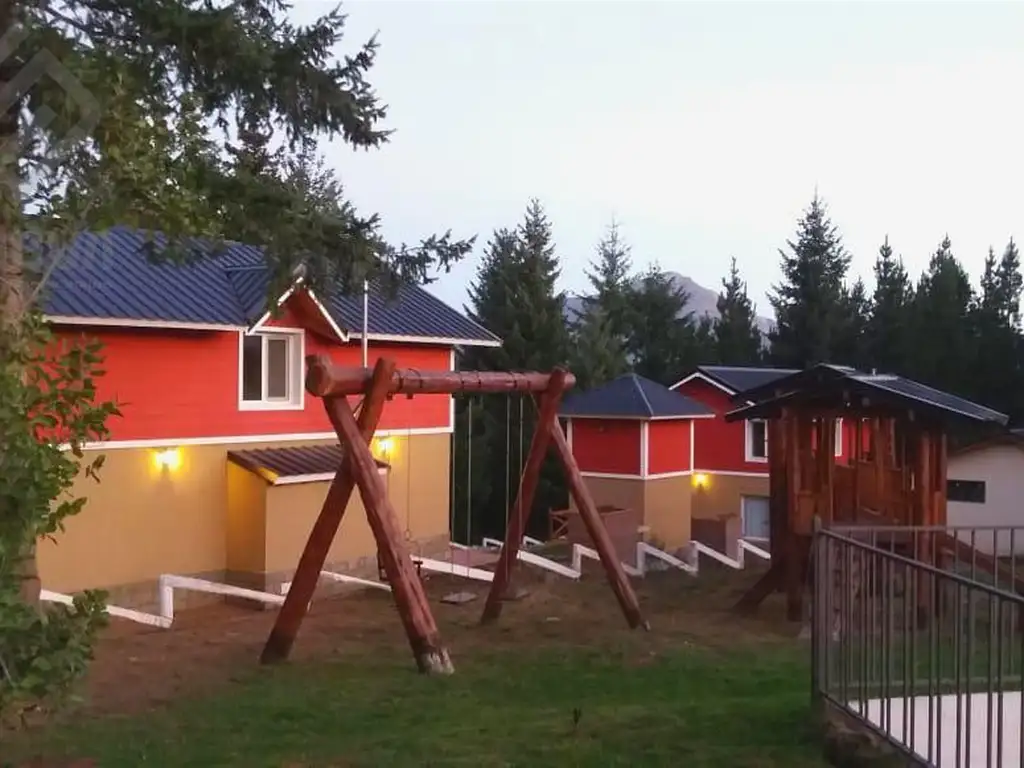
[{"x": 918, "y": 635}]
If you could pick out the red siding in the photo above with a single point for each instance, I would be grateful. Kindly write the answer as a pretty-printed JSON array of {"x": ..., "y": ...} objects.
[
  {"x": 179, "y": 384},
  {"x": 668, "y": 446},
  {"x": 719, "y": 446},
  {"x": 606, "y": 446}
]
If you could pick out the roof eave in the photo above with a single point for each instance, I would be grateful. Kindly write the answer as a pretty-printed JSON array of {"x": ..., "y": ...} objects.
[{"x": 139, "y": 323}]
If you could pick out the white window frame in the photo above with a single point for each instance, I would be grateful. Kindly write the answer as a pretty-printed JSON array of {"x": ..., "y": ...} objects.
[
  {"x": 748, "y": 441},
  {"x": 296, "y": 400},
  {"x": 838, "y": 439}
]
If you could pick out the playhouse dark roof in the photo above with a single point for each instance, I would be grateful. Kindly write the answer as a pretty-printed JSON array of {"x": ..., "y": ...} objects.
[
  {"x": 841, "y": 385},
  {"x": 106, "y": 276},
  {"x": 293, "y": 461},
  {"x": 741, "y": 378},
  {"x": 633, "y": 397}
]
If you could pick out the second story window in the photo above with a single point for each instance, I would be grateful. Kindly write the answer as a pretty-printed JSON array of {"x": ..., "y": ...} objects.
[
  {"x": 271, "y": 371},
  {"x": 757, "y": 440}
]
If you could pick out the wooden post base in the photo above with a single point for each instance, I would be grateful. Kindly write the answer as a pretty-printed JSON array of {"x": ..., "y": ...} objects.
[{"x": 435, "y": 661}]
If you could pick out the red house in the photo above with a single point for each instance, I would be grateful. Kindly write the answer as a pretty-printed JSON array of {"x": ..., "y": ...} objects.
[
  {"x": 220, "y": 462},
  {"x": 633, "y": 440}
]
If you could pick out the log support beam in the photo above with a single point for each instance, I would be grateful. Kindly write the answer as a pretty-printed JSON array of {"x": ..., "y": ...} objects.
[
  {"x": 307, "y": 573},
  {"x": 520, "y": 512}
]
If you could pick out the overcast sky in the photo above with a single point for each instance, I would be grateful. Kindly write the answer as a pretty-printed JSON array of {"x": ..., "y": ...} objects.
[{"x": 702, "y": 127}]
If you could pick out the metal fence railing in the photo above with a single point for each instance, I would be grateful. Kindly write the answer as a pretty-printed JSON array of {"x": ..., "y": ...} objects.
[{"x": 918, "y": 634}]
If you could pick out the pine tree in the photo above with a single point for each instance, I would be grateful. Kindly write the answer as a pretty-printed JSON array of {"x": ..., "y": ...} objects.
[
  {"x": 889, "y": 323},
  {"x": 610, "y": 277},
  {"x": 943, "y": 353},
  {"x": 851, "y": 341},
  {"x": 808, "y": 303},
  {"x": 736, "y": 337},
  {"x": 492, "y": 297},
  {"x": 601, "y": 329},
  {"x": 995, "y": 318},
  {"x": 663, "y": 336},
  {"x": 597, "y": 355},
  {"x": 514, "y": 295}
]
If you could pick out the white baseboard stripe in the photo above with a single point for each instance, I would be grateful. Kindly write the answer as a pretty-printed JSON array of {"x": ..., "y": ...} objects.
[{"x": 176, "y": 442}]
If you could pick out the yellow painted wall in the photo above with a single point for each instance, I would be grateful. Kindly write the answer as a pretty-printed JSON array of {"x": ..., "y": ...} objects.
[
  {"x": 141, "y": 521},
  {"x": 664, "y": 504},
  {"x": 246, "y": 539},
  {"x": 667, "y": 510},
  {"x": 720, "y": 497}
]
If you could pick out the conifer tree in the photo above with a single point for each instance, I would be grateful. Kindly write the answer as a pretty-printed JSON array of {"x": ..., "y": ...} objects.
[
  {"x": 851, "y": 342},
  {"x": 515, "y": 296},
  {"x": 998, "y": 373},
  {"x": 601, "y": 329},
  {"x": 663, "y": 338},
  {"x": 943, "y": 352},
  {"x": 597, "y": 355},
  {"x": 889, "y": 322},
  {"x": 736, "y": 337},
  {"x": 610, "y": 277},
  {"x": 808, "y": 301}
]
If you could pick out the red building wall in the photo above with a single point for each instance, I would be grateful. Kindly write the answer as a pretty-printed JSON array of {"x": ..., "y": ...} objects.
[
  {"x": 719, "y": 446},
  {"x": 606, "y": 446},
  {"x": 184, "y": 384},
  {"x": 668, "y": 446}
]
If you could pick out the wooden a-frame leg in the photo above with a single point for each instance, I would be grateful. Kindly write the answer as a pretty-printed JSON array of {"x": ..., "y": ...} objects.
[
  {"x": 598, "y": 533},
  {"x": 524, "y": 498},
  {"x": 410, "y": 599},
  {"x": 307, "y": 573},
  {"x": 766, "y": 585}
]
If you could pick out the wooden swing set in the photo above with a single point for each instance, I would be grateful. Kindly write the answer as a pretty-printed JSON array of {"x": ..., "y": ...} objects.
[{"x": 334, "y": 385}]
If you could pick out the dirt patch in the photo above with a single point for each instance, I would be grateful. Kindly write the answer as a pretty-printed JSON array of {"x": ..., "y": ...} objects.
[{"x": 138, "y": 668}]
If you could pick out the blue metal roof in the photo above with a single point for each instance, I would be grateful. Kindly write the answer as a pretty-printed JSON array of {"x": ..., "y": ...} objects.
[
  {"x": 633, "y": 396},
  {"x": 842, "y": 385},
  {"x": 108, "y": 276},
  {"x": 741, "y": 378},
  {"x": 936, "y": 398}
]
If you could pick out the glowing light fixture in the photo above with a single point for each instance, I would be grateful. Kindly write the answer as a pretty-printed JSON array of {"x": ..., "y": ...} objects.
[
  {"x": 168, "y": 459},
  {"x": 700, "y": 480},
  {"x": 384, "y": 446}
]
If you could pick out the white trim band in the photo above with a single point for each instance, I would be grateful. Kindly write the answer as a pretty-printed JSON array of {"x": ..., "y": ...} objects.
[
  {"x": 177, "y": 442},
  {"x": 317, "y": 477}
]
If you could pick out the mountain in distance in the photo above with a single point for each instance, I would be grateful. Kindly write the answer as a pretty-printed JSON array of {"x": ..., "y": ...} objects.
[{"x": 702, "y": 301}]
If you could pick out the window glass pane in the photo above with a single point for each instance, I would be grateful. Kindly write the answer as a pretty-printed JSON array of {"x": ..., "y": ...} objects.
[
  {"x": 277, "y": 369},
  {"x": 252, "y": 368},
  {"x": 758, "y": 439},
  {"x": 969, "y": 491}
]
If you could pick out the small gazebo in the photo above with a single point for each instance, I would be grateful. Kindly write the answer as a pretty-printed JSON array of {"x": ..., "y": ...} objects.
[{"x": 896, "y": 475}]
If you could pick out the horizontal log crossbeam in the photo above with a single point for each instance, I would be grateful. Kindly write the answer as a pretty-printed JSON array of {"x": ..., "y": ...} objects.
[{"x": 325, "y": 379}]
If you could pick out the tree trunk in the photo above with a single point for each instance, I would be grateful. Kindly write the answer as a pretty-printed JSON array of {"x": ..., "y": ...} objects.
[{"x": 12, "y": 279}]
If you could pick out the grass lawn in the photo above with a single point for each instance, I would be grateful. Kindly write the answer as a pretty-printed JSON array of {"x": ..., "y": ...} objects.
[{"x": 674, "y": 698}]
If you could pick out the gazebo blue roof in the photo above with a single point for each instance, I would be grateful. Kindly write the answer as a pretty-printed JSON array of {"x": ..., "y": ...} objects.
[{"x": 633, "y": 397}]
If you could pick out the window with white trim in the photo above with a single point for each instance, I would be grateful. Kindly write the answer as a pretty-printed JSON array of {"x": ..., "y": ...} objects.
[
  {"x": 968, "y": 491},
  {"x": 757, "y": 440},
  {"x": 271, "y": 370}
]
